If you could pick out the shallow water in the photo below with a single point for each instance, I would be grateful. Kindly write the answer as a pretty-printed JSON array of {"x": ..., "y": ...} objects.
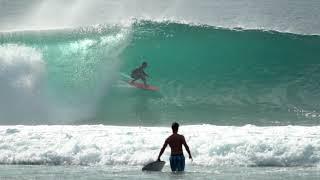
[{"x": 129, "y": 172}]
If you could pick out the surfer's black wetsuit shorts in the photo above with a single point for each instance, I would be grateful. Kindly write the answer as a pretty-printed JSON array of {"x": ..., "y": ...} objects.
[
  {"x": 177, "y": 162},
  {"x": 134, "y": 76},
  {"x": 137, "y": 75}
]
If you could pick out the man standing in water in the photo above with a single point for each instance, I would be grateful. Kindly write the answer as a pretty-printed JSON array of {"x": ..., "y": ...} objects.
[
  {"x": 175, "y": 141},
  {"x": 139, "y": 73}
]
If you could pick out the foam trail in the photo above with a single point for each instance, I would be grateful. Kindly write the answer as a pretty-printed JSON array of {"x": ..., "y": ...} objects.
[{"x": 115, "y": 145}]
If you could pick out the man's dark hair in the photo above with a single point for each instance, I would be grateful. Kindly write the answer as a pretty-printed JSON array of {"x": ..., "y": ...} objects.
[{"x": 175, "y": 127}]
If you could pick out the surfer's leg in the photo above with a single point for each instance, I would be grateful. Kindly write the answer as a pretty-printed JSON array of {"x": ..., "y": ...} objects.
[
  {"x": 144, "y": 81},
  {"x": 134, "y": 78}
]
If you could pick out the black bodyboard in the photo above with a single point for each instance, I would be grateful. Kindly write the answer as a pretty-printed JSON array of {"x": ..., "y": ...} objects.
[{"x": 154, "y": 166}]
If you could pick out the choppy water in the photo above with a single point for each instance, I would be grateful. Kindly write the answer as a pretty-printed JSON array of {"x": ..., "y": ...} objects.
[{"x": 249, "y": 146}]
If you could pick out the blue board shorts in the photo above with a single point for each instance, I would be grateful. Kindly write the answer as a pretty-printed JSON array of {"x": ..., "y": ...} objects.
[{"x": 177, "y": 162}]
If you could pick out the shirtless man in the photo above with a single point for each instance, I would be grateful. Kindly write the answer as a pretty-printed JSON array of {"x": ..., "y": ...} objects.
[
  {"x": 139, "y": 73},
  {"x": 175, "y": 141}
]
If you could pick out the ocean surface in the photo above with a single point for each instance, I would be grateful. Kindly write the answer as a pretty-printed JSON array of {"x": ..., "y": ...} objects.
[{"x": 241, "y": 78}]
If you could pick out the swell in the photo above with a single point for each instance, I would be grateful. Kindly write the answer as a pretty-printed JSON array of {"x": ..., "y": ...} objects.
[{"x": 205, "y": 74}]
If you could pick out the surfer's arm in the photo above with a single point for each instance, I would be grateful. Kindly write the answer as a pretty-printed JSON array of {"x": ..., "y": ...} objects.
[
  {"x": 145, "y": 74},
  {"x": 187, "y": 148},
  {"x": 162, "y": 149}
]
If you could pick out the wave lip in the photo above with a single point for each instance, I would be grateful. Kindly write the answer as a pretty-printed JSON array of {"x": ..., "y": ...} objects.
[
  {"x": 292, "y": 16},
  {"x": 282, "y": 146}
]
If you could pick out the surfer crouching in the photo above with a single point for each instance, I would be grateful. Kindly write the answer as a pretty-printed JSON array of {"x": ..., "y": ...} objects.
[
  {"x": 139, "y": 73},
  {"x": 175, "y": 141}
]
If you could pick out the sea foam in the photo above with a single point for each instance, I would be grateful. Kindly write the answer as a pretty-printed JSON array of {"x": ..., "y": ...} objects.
[{"x": 119, "y": 145}]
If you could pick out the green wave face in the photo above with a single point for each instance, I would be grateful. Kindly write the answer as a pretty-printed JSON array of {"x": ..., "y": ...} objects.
[{"x": 205, "y": 75}]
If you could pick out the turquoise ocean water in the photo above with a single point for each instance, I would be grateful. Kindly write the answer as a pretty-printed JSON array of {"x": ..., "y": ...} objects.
[
  {"x": 244, "y": 88},
  {"x": 205, "y": 75}
]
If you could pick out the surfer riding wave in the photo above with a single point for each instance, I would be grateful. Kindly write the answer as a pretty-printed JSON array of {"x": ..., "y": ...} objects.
[{"x": 139, "y": 73}]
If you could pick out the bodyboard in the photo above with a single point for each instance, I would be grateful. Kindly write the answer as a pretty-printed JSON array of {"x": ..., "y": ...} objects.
[{"x": 154, "y": 166}]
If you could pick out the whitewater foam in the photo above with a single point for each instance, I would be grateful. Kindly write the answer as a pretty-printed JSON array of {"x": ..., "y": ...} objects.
[
  {"x": 22, "y": 65},
  {"x": 115, "y": 145},
  {"x": 26, "y": 69},
  {"x": 22, "y": 71}
]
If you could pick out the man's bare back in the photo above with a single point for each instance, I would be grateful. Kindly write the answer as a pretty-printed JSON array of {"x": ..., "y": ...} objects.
[{"x": 175, "y": 142}]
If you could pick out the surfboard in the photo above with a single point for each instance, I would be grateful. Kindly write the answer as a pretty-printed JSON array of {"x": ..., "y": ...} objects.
[
  {"x": 154, "y": 166},
  {"x": 142, "y": 86}
]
